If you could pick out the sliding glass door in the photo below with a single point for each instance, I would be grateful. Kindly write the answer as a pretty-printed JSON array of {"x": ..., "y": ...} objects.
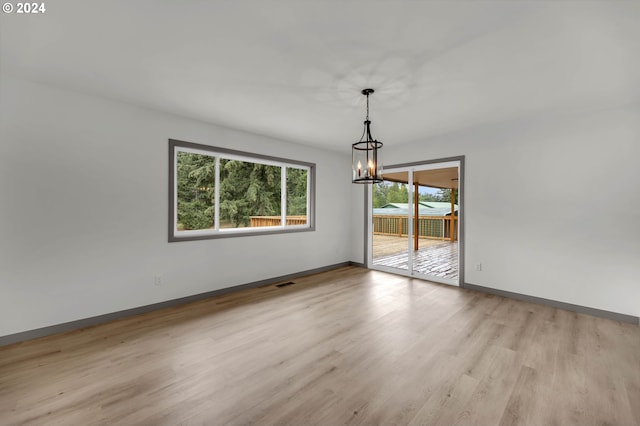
[
  {"x": 391, "y": 221},
  {"x": 413, "y": 222}
]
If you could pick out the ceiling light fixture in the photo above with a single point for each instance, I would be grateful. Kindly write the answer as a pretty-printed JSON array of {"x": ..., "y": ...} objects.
[{"x": 365, "y": 161}]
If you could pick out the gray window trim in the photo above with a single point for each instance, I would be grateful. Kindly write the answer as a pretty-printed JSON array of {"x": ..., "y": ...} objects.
[{"x": 174, "y": 143}]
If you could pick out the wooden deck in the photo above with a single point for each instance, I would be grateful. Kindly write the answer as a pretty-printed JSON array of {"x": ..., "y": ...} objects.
[{"x": 440, "y": 260}]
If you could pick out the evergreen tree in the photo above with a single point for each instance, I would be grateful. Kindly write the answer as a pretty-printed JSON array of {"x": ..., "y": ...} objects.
[
  {"x": 296, "y": 192},
  {"x": 387, "y": 192},
  {"x": 445, "y": 195},
  {"x": 248, "y": 189},
  {"x": 196, "y": 188},
  {"x": 428, "y": 197}
]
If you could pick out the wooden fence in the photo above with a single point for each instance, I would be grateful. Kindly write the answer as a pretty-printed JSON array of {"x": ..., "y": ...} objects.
[
  {"x": 435, "y": 227},
  {"x": 276, "y": 220}
]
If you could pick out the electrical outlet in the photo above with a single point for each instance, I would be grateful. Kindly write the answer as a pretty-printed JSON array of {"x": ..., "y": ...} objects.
[
  {"x": 478, "y": 266},
  {"x": 157, "y": 280}
]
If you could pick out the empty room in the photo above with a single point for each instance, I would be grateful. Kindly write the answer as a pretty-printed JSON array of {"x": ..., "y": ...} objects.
[{"x": 320, "y": 213}]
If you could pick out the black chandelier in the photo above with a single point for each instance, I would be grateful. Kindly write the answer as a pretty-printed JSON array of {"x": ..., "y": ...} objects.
[{"x": 365, "y": 161}]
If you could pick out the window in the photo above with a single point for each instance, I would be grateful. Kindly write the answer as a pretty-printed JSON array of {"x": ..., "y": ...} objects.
[{"x": 217, "y": 192}]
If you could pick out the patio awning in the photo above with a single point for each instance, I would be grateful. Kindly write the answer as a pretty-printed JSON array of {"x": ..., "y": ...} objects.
[{"x": 446, "y": 178}]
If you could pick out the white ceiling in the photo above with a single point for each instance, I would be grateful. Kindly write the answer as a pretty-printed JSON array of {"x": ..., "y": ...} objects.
[{"x": 294, "y": 70}]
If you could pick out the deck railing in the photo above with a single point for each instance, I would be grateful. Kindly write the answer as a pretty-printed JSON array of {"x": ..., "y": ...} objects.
[
  {"x": 276, "y": 220},
  {"x": 435, "y": 227}
]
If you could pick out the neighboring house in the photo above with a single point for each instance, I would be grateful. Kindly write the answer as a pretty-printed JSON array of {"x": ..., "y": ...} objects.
[
  {"x": 426, "y": 208},
  {"x": 438, "y": 204}
]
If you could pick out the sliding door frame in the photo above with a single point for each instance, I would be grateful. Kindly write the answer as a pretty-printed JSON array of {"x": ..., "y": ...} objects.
[{"x": 368, "y": 213}]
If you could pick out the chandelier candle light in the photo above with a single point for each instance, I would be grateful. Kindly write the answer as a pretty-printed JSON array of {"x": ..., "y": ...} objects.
[{"x": 365, "y": 162}]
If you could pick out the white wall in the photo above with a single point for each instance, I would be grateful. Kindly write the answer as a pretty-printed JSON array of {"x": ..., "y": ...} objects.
[
  {"x": 83, "y": 208},
  {"x": 552, "y": 205}
]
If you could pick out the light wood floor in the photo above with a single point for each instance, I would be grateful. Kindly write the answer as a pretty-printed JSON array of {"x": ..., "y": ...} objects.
[{"x": 350, "y": 346}]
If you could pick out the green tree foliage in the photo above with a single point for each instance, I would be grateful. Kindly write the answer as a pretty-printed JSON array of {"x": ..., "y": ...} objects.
[
  {"x": 387, "y": 192},
  {"x": 296, "y": 192},
  {"x": 445, "y": 195},
  {"x": 196, "y": 186},
  {"x": 429, "y": 197},
  {"x": 246, "y": 189}
]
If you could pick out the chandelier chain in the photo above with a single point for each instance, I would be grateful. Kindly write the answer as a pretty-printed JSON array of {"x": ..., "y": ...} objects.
[
  {"x": 365, "y": 129},
  {"x": 367, "y": 106}
]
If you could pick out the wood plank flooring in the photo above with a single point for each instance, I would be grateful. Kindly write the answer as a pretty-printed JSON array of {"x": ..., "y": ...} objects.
[{"x": 345, "y": 347}]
